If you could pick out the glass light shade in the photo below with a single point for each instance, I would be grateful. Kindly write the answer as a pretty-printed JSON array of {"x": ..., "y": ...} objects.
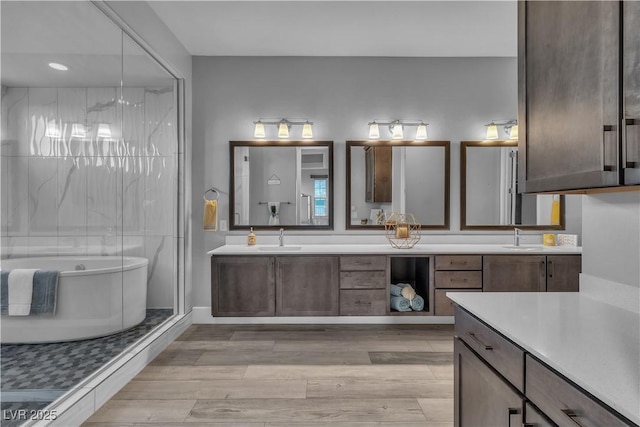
[
  {"x": 396, "y": 131},
  {"x": 258, "y": 132},
  {"x": 374, "y": 131},
  {"x": 307, "y": 132},
  {"x": 421, "y": 132},
  {"x": 53, "y": 130},
  {"x": 283, "y": 130},
  {"x": 514, "y": 132},
  {"x": 78, "y": 131},
  {"x": 104, "y": 131},
  {"x": 492, "y": 132}
]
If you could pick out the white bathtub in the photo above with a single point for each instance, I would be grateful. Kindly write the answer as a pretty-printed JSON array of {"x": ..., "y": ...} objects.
[{"x": 109, "y": 295}]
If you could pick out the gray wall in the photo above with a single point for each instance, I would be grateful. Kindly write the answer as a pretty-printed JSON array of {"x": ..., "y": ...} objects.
[
  {"x": 457, "y": 96},
  {"x": 611, "y": 237}
]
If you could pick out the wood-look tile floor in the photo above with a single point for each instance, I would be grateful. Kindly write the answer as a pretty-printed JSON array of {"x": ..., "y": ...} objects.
[{"x": 293, "y": 375}]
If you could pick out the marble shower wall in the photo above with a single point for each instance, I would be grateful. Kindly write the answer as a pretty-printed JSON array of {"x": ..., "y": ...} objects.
[{"x": 64, "y": 193}]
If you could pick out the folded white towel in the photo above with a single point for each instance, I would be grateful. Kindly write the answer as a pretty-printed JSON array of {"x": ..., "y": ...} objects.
[{"x": 20, "y": 291}]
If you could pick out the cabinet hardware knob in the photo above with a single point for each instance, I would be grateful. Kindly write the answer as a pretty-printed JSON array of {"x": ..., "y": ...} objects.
[
  {"x": 550, "y": 268},
  {"x": 605, "y": 166},
  {"x": 570, "y": 413},
  {"x": 629, "y": 164},
  {"x": 476, "y": 339}
]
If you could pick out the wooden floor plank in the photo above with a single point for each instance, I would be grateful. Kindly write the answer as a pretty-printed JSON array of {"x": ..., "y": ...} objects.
[
  {"x": 209, "y": 345},
  {"x": 185, "y": 373},
  {"x": 365, "y": 345},
  {"x": 312, "y": 335},
  {"x": 437, "y": 410},
  {"x": 149, "y": 411},
  {"x": 301, "y": 410},
  {"x": 411, "y": 358},
  {"x": 213, "y": 389},
  {"x": 361, "y": 372},
  {"x": 383, "y": 388},
  {"x": 284, "y": 358}
]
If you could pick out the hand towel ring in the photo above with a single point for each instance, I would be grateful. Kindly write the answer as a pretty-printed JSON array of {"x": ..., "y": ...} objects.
[{"x": 213, "y": 190}]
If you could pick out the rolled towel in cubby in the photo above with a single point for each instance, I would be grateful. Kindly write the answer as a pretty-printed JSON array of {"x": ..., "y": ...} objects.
[
  {"x": 417, "y": 303},
  {"x": 396, "y": 290},
  {"x": 408, "y": 292},
  {"x": 403, "y": 285},
  {"x": 400, "y": 304}
]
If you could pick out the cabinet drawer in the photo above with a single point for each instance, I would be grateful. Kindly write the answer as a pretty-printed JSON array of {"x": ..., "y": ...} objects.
[
  {"x": 459, "y": 262},
  {"x": 363, "y": 280},
  {"x": 562, "y": 402},
  {"x": 373, "y": 262},
  {"x": 370, "y": 302},
  {"x": 504, "y": 356},
  {"x": 444, "y": 306},
  {"x": 459, "y": 279}
]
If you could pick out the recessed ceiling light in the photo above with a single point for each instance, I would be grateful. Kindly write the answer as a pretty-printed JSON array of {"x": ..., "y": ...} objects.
[{"x": 59, "y": 67}]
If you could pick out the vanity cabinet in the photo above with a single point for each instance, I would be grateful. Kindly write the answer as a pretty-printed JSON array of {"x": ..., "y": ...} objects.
[
  {"x": 363, "y": 285},
  {"x": 531, "y": 273},
  {"x": 497, "y": 383},
  {"x": 571, "y": 133},
  {"x": 307, "y": 285},
  {"x": 460, "y": 273},
  {"x": 378, "y": 174},
  {"x": 243, "y": 286}
]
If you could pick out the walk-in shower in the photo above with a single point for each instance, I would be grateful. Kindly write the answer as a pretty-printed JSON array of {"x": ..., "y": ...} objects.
[{"x": 89, "y": 171}]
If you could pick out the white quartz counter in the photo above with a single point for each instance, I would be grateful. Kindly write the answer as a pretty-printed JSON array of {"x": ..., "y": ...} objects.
[
  {"x": 595, "y": 345},
  {"x": 420, "y": 249}
]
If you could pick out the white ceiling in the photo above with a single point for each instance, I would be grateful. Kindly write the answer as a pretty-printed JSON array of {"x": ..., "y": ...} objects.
[{"x": 343, "y": 28}]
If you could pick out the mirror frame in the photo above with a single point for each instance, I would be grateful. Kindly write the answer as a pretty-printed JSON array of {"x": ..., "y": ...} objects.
[
  {"x": 280, "y": 143},
  {"x": 399, "y": 143},
  {"x": 463, "y": 191}
]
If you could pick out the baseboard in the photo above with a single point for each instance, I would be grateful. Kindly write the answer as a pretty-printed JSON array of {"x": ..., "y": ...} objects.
[
  {"x": 202, "y": 316},
  {"x": 79, "y": 403}
]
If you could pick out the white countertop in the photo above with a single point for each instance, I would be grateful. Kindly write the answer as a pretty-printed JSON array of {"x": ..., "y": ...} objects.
[
  {"x": 386, "y": 249},
  {"x": 595, "y": 345}
]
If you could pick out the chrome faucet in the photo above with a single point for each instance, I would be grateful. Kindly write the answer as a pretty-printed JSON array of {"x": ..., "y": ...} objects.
[
  {"x": 516, "y": 236},
  {"x": 282, "y": 237}
]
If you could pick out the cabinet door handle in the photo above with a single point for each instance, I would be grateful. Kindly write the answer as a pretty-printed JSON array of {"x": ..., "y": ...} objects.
[
  {"x": 630, "y": 164},
  {"x": 605, "y": 130},
  {"x": 513, "y": 411},
  {"x": 571, "y": 414},
  {"x": 476, "y": 339},
  {"x": 550, "y": 268}
]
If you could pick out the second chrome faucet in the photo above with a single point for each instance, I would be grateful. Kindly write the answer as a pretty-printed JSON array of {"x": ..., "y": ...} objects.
[
  {"x": 516, "y": 236},
  {"x": 282, "y": 237}
]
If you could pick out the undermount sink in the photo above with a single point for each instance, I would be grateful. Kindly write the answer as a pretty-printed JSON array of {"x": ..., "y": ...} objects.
[
  {"x": 523, "y": 248},
  {"x": 279, "y": 248}
]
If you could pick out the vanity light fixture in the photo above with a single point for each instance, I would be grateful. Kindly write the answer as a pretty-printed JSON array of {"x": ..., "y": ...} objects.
[
  {"x": 78, "y": 130},
  {"x": 510, "y": 127},
  {"x": 104, "y": 130},
  {"x": 284, "y": 126},
  {"x": 396, "y": 127},
  {"x": 52, "y": 130}
]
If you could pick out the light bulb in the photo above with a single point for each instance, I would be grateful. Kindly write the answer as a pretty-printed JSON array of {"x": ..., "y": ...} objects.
[
  {"x": 58, "y": 66},
  {"x": 492, "y": 131},
  {"x": 514, "y": 132},
  {"x": 421, "y": 132},
  {"x": 374, "y": 131},
  {"x": 283, "y": 130},
  {"x": 396, "y": 131},
  {"x": 104, "y": 131},
  {"x": 307, "y": 132},
  {"x": 258, "y": 132},
  {"x": 78, "y": 131}
]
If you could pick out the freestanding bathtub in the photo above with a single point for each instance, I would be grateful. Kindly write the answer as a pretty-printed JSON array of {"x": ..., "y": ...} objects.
[{"x": 97, "y": 296}]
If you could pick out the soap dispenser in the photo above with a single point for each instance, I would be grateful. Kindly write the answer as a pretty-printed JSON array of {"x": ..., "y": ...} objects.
[{"x": 251, "y": 238}]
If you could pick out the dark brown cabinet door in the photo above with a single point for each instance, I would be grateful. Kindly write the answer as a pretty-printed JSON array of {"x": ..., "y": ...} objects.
[
  {"x": 533, "y": 418},
  {"x": 307, "y": 286},
  {"x": 631, "y": 91},
  {"x": 378, "y": 174},
  {"x": 514, "y": 273},
  {"x": 563, "y": 273},
  {"x": 570, "y": 72},
  {"x": 243, "y": 286},
  {"x": 482, "y": 398}
]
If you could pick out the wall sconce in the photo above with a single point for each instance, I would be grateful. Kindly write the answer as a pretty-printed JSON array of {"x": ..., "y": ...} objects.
[
  {"x": 396, "y": 128},
  {"x": 510, "y": 127},
  {"x": 284, "y": 126}
]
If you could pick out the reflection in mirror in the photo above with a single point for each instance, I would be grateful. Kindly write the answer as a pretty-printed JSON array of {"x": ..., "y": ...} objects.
[
  {"x": 397, "y": 176},
  {"x": 489, "y": 198},
  {"x": 281, "y": 184}
]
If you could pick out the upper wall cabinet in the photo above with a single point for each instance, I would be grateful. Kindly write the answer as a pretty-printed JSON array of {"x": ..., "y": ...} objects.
[{"x": 576, "y": 135}]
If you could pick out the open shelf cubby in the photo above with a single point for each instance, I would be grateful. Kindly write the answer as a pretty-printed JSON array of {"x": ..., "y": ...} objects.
[{"x": 417, "y": 272}]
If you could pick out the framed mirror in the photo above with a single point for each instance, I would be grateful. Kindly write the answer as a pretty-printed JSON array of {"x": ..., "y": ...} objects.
[
  {"x": 397, "y": 176},
  {"x": 489, "y": 199},
  {"x": 277, "y": 184}
]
